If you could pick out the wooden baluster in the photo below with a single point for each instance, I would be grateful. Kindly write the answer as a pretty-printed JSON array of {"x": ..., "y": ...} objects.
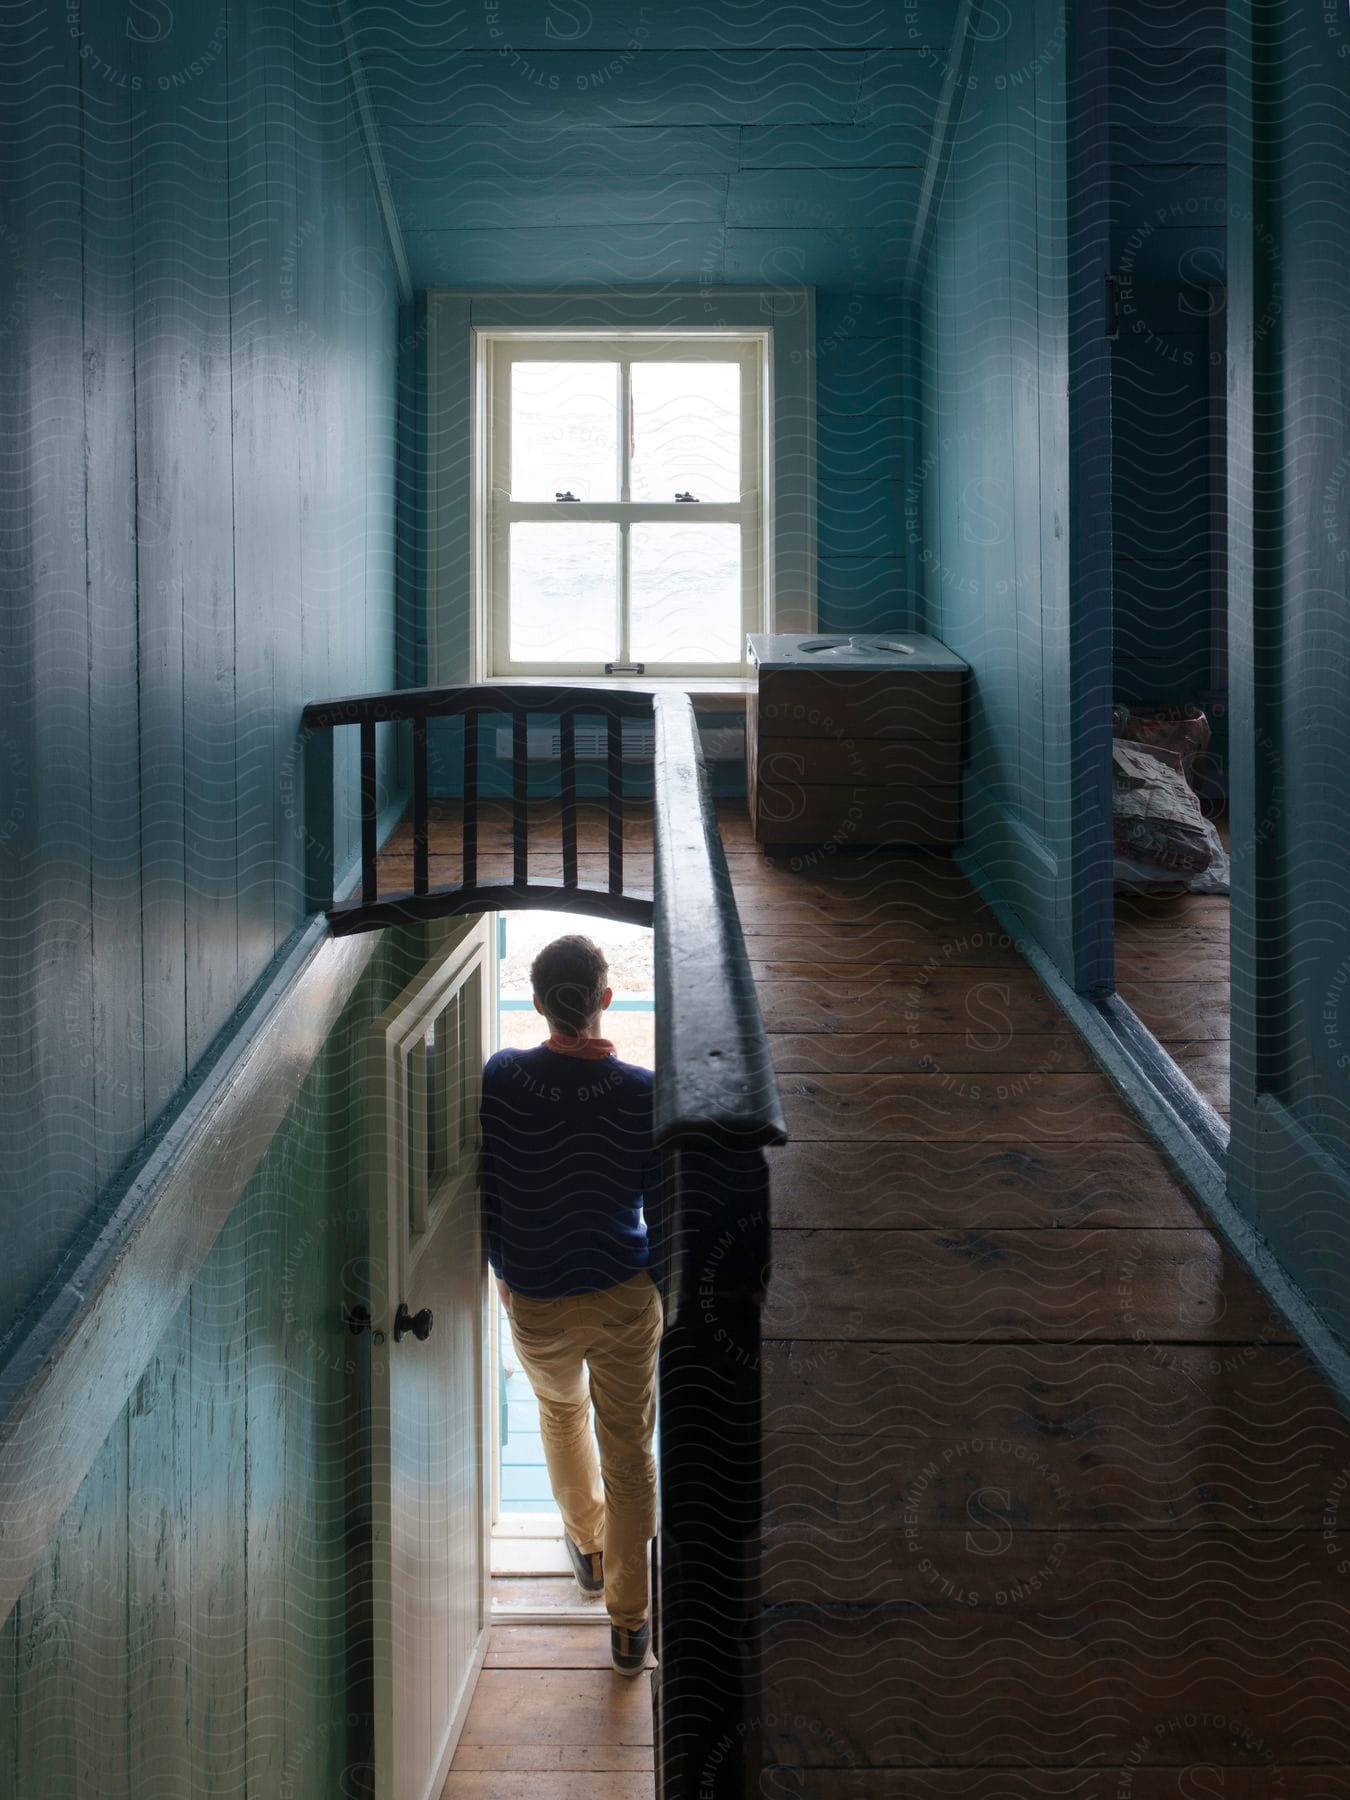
[
  {"x": 520, "y": 777},
  {"x": 419, "y": 749},
  {"x": 569, "y": 799},
  {"x": 469, "y": 816},
  {"x": 369, "y": 813},
  {"x": 615, "y": 802},
  {"x": 320, "y": 836}
]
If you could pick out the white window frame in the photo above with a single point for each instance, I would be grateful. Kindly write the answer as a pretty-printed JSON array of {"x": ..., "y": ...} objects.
[
  {"x": 456, "y": 399},
  {"x": 750, "y": 511}
]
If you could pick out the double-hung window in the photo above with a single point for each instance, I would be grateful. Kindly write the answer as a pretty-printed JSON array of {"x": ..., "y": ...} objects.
[{"x": 625, "y": 504}]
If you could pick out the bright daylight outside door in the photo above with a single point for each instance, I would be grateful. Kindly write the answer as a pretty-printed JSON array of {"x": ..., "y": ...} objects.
[
  {"x": 428, "y": 1362},
  {"x": 527, "y": 1531}
]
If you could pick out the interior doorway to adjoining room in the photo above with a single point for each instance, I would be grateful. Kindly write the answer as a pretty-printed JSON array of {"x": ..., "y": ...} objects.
[
  {"x": 1171, "y": 756},
  {"x": 1170, "y": 752}
]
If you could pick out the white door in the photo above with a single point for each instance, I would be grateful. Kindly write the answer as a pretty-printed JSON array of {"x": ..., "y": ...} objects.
[{"x": 428, "y": 1363}]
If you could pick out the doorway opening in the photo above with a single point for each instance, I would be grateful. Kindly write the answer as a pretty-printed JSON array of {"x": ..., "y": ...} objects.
[
  {"x": 531, "y": 1575},
  {"x": 1170, "y": 715}
]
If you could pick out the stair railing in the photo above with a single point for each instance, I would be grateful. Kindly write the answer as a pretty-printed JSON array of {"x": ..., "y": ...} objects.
[
  {"x": 417, "y": 708},
  {"x": 716, "y": 1111}
]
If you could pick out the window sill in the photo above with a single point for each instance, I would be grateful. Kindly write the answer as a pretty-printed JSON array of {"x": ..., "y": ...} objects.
[{"x": 710, "y": 693}]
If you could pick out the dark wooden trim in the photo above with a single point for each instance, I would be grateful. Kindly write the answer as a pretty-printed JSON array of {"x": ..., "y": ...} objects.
[
  {"x": 614, "y": 799},
  {"x": 450, "y": 702},
  {"x": 416, "y": 909},
  {"x": 716, "y": 1070},
  {"x": 520, "y": 800},
  {"x": 88, "y": 1342},
  {"x": 568, "y": 746},
  {"x": 370, "y": 810},
  {"x": 318, "y": 823},
  {"x": 420, "y": 806},
  {"x": 469, "y": 835},
  {"x": 707, "y": 1572}
]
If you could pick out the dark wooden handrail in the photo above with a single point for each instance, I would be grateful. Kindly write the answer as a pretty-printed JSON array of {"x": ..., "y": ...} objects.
[
  {"x": 717, "y": 1110},
  {"x": 717, "y": 1074},
  {"x": 403, "y": 704},
  {"x": 710, "y": 1036}
]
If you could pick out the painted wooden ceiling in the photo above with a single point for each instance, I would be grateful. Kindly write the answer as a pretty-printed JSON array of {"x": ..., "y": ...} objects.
[{"x": 594, "y": 142}]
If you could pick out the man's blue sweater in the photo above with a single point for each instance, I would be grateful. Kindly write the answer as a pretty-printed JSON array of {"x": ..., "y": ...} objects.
[{"x": 567, "y": 1165}]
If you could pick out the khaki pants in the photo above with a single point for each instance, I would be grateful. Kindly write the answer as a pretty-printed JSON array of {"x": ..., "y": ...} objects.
[{"x": 612, "y": 1337}]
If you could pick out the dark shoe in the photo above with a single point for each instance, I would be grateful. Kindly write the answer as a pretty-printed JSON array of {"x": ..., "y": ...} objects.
[
  {"x": 628, "y": 1649},
  {"x": 589, "y": 1570}
]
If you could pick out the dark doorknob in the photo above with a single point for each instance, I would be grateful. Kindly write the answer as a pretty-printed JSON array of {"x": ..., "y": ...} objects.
[{"x": 419, "y": 1323}]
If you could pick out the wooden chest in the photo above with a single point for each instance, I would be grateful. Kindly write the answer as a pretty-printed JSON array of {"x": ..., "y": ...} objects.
[{"x": 855, "y": 746}]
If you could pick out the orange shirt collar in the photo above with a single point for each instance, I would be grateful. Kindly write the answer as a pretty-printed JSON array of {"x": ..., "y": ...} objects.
[{"x": 591, "y": 1048}]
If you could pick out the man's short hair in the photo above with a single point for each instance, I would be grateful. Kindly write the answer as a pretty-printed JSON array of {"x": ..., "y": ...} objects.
[{"x": 569, "y": 977}]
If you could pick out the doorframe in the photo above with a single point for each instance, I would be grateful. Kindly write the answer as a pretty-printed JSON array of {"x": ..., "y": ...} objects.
[
  {"x": 1191, "y": 1132},
  {"x": 492, "y": 1447},
  {"x": 1269, "y": 1143},
  {"x": 1090, "y": 605},
  {"x": 1253, "y": 510},
  {"x": 578, "y": 1611}
]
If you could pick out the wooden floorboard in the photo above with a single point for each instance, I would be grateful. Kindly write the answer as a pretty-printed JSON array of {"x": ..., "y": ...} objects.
[
  {"x": 550, "y": 1720},
  {"x": 1053, "y": 1506},
  {"x": 1068, "y": 1285},
  {"x": 1046, "y": 1482},
  {"x": 1083, "y": 1436},
  {"x": 982, "y": 1185},
  {"x": 1172, "y": 970},
  {"x": 1037, "y": 1105}
]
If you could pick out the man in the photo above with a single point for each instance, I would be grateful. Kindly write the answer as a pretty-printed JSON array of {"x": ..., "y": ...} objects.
[{"x": 568, "y": 1168}]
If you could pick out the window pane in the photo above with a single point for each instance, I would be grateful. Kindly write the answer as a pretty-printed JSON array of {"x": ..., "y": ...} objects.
[
  {"x": 564, "y": 593},
  {"x": 685, "y": 590},
  {"x": 435, "y": 1144},
  {"x": 564, "y": 430},
  {"x": 686, "y": 430}
]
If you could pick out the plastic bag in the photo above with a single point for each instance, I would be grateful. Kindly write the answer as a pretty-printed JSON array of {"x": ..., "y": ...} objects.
[{"x": 1159, "y": 830}]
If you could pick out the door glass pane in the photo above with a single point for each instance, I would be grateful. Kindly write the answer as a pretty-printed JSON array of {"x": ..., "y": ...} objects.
[
  {"x": 564, "y": 593},
  {"x": 685, "y": 588},
  {"x": 564, "y": 430},
  {"x": 435, "y": 1082},
  {"x": 686, "y": 430},
  {"x": 462, "y": 1102}
]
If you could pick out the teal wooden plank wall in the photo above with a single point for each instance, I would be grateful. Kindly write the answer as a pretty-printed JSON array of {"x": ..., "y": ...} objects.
[
  {"x": 199, "y": 339},
  {"x": 1169, "y": 235},
  {"x": 987, "y": 503},
  {"x": 195, "y": 1623},
  {"x": 867, "y": 448},
  {"x": 622, "y": 144},
  {"x": 1289, "y": 1160}
]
